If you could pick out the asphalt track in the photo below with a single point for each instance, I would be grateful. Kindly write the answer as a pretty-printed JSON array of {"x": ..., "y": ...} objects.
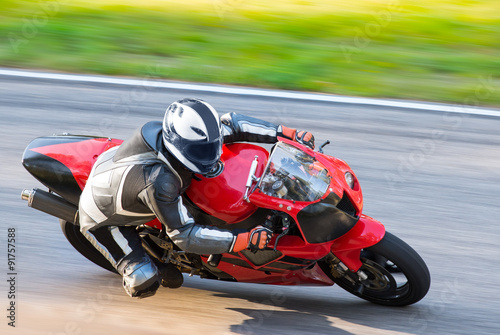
[{"x": 432, "y": 178}]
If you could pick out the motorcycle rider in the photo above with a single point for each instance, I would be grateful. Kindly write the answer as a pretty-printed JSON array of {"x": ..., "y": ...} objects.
[{"x": 145, "y": 177}]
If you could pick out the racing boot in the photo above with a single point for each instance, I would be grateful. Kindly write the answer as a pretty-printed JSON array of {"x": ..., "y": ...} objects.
[{"x": 141, "y": 277}]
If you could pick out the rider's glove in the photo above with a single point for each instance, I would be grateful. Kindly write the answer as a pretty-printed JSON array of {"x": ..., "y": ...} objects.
[
  {"x": 255, "y": 239},
  {"x": 301, "y": 136}
]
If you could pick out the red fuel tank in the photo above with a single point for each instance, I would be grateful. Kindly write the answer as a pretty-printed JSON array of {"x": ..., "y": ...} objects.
[{"x": 222, "y": 196}]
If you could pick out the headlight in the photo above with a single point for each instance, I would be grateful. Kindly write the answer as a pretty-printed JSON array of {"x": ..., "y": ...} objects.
[{"x": 349, "y": 178}]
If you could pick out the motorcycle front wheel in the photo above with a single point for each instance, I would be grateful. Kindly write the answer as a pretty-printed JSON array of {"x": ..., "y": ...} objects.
[{"x": 397, "y": 275}]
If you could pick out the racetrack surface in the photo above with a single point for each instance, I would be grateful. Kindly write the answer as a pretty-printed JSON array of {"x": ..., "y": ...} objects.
[{"x": 432, "y": 178}]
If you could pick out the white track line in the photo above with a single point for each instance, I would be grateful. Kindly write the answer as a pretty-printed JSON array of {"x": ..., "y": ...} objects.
[{"x": 461, "y": 109}]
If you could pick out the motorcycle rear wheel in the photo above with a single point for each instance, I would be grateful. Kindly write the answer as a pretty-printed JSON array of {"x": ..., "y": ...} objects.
[
  {"x": 397, "y": 275},
  {"x": 83, "y": 246}
]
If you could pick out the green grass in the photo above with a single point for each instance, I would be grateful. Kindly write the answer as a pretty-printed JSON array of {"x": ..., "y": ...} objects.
[{"x": 428, "y": 50}]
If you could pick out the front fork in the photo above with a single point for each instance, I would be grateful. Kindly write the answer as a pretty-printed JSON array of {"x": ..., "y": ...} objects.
[{"x": 347, "y": 248}]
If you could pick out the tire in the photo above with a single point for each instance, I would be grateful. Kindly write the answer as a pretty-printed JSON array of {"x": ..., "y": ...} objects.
[
  {"x": 83, "y": 246},
  {"x": 397, "y": 275}
]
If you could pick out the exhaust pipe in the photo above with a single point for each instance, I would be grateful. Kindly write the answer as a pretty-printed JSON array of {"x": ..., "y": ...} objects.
[{"x": 51, "y": 204}]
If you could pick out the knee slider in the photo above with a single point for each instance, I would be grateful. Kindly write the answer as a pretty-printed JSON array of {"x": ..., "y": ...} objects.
[{"x": 141, "y": 279}]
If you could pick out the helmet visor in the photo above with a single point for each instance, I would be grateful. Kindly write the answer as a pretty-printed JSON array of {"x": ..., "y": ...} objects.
[{"x": 204, "y": 152}]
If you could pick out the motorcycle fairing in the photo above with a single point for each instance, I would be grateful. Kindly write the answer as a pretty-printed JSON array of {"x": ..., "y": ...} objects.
[
  {"x": 326, "y": 218},
  {"x": 285, "y": 271},
  {"x": 325, "y": 221},
  {"x": 262, "y": 257},
  {"x": 364, "y": 234},
  {"x": 53, "y": 174},
  {"x": 63, "y": 162},
  {"x": 307, "y": 275}
]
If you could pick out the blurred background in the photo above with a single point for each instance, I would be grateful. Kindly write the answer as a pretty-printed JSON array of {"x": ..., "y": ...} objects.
[
  {"x": 432, "y": 178},
  {"x": 423, "y": 50}
]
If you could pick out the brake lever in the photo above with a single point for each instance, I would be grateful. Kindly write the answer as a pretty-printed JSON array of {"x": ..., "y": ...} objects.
[{"x": 286, "y": 228}]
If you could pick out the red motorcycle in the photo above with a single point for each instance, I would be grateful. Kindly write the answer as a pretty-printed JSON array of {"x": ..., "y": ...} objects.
[{"x": 311, "y": 201}]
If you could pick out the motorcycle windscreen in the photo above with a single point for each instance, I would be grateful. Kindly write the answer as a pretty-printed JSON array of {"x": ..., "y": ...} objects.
[{"x": 292, "y": 174}]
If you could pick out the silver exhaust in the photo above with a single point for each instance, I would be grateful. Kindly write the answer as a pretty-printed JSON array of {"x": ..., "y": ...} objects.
[{"x": 51, "y": 204}]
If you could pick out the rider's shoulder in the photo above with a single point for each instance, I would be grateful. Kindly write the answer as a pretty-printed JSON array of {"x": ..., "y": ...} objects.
[{"x": 143, "y": 141}]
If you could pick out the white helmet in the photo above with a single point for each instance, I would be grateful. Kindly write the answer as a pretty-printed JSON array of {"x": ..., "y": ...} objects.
[{"x": 192, "y": 132}]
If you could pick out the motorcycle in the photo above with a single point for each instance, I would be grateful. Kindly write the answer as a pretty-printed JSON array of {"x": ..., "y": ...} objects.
[{"x": 311, "y": 201}]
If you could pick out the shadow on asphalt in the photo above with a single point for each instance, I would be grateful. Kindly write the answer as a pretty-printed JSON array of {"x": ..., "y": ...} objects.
[{"x": 292, "y": 310}]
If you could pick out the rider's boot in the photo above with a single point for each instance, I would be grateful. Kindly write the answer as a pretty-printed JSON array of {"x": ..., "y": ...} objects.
[{"x": 141, "y": 277}]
